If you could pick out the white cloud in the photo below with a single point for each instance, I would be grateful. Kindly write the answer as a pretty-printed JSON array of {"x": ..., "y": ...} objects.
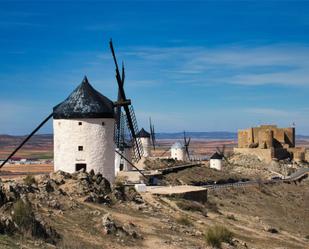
[
  {"x": 276, "y": 64},
  {"x": 268, "y": 112}
]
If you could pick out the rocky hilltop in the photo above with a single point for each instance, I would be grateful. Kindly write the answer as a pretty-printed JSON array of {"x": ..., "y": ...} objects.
[{"x": 82, "y": 210}]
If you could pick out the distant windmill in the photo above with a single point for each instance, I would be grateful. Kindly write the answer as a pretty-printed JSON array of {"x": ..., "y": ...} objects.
[
  {"x": 221, "y": 153},
  {"x": 186, "y": 144},
  {"x": 145, "y": 138},
  {"x": 216, "y": 161},
  {"x": 180, "y": 150},
  {"x": 152, "y": 134}
]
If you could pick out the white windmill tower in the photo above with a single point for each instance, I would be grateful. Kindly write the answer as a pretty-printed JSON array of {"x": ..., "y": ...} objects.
[
  {"x": 180, "y": 151},
  {"x": 216, "y": 161},
  {"x": 84, "y": 132},
  {"x": 84, "y": 129},
  {"x": 146, "y": 143}
]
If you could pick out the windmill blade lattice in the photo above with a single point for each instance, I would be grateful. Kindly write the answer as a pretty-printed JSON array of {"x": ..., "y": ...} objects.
[
  {"x": 152, "y": 134},
  {"x": 128, "y": 109}
]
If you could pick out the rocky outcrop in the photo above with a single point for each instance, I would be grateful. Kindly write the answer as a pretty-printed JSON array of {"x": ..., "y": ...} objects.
[
  {"x": 21, "y": 203},
  {"x": 27, "y": 207},
  {"x": 109, "y": 226}
]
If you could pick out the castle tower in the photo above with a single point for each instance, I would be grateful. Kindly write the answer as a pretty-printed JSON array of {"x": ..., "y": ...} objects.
[
  {"x": 178, "y": 151},
  {"x": 145, "y": 140},
  {"x": 84, "y": 132}
]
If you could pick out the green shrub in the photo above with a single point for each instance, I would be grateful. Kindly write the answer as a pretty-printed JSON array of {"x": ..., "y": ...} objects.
[
  {"x": 29, "y": 180},
  {"x": 218, "y": 234},
  {"x": 183, "y": 220},
  {"x": 23, "y": 215}
]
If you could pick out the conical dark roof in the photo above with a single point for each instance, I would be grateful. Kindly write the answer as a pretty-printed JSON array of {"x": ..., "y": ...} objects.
[
  {"x": 216, "y": 155},
  {"x": 84, "y": 102},
  {"x": 143, "y": 133}
]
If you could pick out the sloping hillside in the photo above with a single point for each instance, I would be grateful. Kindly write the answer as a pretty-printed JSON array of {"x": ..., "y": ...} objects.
[{"x": 81, "y": 211}]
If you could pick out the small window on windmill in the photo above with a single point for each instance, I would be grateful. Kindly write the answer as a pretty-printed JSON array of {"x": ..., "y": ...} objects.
[
  {"x": 80, "y": 148},
  {"x": 80, "y": 123},
  {"x": 103, "y": 123}
]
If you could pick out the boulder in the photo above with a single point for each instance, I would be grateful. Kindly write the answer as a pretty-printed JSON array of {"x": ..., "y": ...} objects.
[
  {"x": 108, "y": 223},
  {"x": 3, "y": 198},
  {"x": 54, "y": 204},
  {"x": 7, "y": 225},
  {"x": 130, "y": 230},
  {"x": 111, "y": 227},
  {"x": 59, "y": 176},
  {"x": 272, "y": 230},
  {"x": 103, "y": 187},
  {"x": 42, "y": 229}
]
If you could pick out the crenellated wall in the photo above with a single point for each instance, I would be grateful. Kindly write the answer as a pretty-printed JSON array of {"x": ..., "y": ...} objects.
[
  {"x": 269, "y": 141},
  {"x": 85, "y": 141},
  {"x": 267, "y": 136}
]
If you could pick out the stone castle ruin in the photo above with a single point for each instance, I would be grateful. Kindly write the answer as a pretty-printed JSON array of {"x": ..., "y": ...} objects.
[{"x": 268, "y": 142}]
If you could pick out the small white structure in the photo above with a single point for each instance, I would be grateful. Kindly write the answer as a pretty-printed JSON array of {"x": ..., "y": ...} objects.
[
  {"x": 84, "y": 132},
  {"x": 141, "y": 187},
  {"x": 216, "y": 161},
  {"x": 178, "y": 151},
  {"x": 145, "y": 140}
]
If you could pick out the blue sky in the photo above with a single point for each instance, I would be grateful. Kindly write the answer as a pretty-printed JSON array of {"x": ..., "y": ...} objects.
[{"x": 196, "y": 66}]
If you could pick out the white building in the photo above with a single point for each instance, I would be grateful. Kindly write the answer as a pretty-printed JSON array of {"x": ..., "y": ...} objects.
[
  {"x": 84, "y": 132},
  {"x": 178, "y": 151},
  {"x": 145, "y": 140},
  {"x": 216, "y": 161}
]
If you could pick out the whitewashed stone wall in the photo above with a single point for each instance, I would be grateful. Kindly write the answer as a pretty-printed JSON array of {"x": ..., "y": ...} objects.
[
  {"x": 216, "y": 164},
  {"x": 97, "y": 138},
  {"x": 178, "y": 153},
  {"x": 146, "y": 146}
]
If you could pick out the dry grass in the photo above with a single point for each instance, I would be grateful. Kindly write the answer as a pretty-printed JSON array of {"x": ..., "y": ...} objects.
[
  {"x": 184, "y": 220},
  {"x": 23, "y": 215},
  {"x": 192, "y": 206},
  {"x": 218, "y": 234}
]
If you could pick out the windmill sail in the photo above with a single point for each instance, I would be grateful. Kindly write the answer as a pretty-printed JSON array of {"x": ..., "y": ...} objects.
[
  {"x": 128, "y": 110},
  {"x": 152, "y": 134},
  {"x": 221, "y": 152},
  {"x": 25, "y": 141},
  {"x": 137, "y": 145},
  {"x": 186, "y": 144}
]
